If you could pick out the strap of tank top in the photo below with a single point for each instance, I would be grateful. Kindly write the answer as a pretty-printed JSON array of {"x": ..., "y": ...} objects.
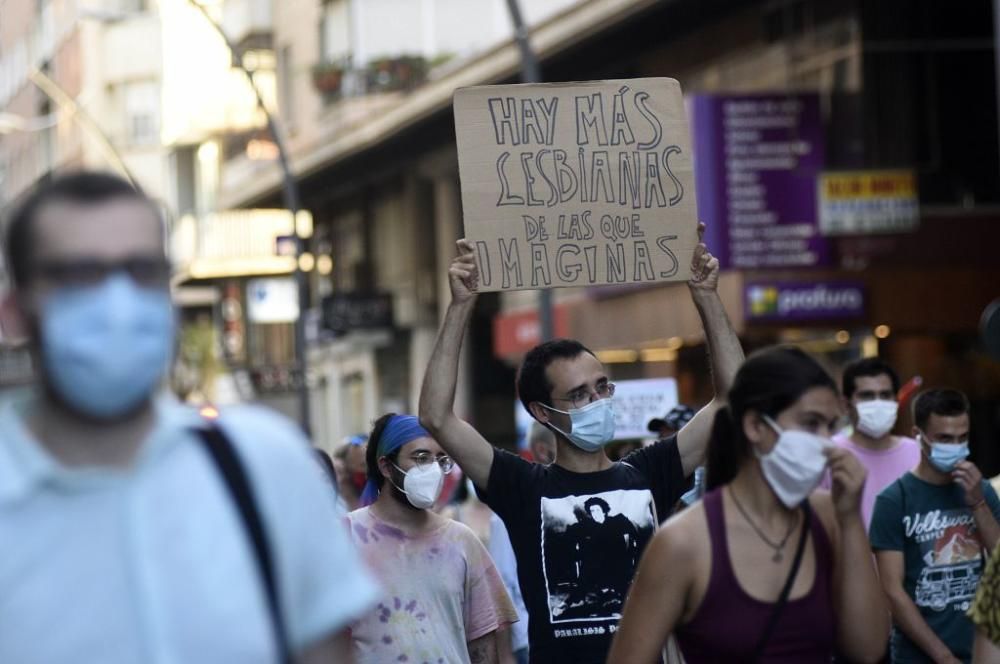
[
  {"x": 717, "y": 531},
  {"x": 779, "y": 606},
  {"x": 822, "y": 547}
]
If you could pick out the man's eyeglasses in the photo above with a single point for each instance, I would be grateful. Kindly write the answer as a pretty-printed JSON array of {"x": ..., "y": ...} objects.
[
  {"x": 581, "y": 397},
  {"x": 426, "y": 459},
  {"x": 143, "y": 270}
]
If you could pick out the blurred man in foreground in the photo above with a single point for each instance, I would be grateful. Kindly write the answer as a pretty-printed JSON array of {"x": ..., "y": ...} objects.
[{"x": 133, "y": 529}]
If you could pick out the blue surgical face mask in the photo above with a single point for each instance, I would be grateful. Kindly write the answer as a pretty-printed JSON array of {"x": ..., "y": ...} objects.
[
  {"x": 946, "y": 456},
  {"x": 105, "y": 347},
  {"x": 591, "y": 427}
]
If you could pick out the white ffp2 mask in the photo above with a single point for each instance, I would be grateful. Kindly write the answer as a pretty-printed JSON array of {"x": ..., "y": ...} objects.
[{"x": 422, "y": 485}]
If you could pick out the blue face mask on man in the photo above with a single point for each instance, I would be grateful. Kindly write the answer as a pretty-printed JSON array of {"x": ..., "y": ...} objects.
[
  {"x": 591, "y": 427},
  {"x": 105, "y": 347},
  {"x": 946, "y": 456}
]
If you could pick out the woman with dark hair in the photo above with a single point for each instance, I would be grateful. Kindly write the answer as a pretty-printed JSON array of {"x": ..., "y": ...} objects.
[{"x": 764, "y": 569}]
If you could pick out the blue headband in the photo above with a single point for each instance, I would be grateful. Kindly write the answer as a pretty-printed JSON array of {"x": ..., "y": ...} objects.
[{"x": 399, "y": 431}]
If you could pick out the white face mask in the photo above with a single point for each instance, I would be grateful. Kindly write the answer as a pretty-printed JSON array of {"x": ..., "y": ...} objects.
[
  {"x": 422, "y": 485},
  {"x": 877, "y": 418},
  {"x": 591, "y": 427},
  {"x": 794, "y": 466}
]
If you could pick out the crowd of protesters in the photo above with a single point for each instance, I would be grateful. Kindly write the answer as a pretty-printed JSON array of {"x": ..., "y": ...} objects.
[{"x": 757, "y": 528}]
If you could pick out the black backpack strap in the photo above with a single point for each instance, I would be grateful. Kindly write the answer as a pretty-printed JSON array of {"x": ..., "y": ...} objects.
[
  {"x": 779, "y": 606},
  {"x": 226, "y": 459}
]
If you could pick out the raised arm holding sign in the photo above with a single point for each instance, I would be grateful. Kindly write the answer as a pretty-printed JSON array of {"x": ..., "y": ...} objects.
[
  {"x": 579, "y": 525},
  {"x": 563, "y": 384},
  {"x": 577, "y": 184}
]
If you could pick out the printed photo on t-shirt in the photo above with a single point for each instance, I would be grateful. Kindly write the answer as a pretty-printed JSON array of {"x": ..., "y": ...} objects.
[
  {"x": 590, "y": 548},
  {"x": 952, "y": 557}
]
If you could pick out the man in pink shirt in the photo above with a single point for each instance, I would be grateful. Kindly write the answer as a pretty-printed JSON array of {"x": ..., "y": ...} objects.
[{"x": 870, "y": 387}]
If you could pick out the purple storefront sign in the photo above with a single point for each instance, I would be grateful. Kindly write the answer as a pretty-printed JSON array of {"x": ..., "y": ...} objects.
[
  {"x": 787, "y": 301},
  {"x": 757, "y": 159}
]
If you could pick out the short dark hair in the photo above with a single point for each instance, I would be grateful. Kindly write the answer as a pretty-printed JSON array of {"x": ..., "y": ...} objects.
[
  {"x": 770, "y": 381},
  {"x": 371, "y": 453},
  {"x": 944, "y": 402},
  {"x": 84, "y": 187},
  {"x": 864, "y": 368},
  {"x": 532, "y": 382},
  {"x": 599, "y": 502}
]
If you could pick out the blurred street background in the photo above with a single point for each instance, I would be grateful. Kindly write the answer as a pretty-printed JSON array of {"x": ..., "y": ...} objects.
[{"x": 846, "y": 157}]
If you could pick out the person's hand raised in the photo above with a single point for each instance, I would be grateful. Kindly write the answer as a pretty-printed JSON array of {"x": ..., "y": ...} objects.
[
  {"x": 463, "y": 275},
  {"x": 704, "y": 266}
]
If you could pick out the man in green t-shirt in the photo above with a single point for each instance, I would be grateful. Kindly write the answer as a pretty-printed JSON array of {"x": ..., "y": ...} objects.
[{"x": 929, "y": 530}]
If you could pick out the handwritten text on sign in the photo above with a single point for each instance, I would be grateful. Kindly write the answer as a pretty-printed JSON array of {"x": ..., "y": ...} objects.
[{"x": 577, "y": 184}]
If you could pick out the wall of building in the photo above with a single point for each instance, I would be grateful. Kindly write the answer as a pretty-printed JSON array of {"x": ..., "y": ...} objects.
[
  {"x": 203, "y": 94},
  {"x": 35, "y": 36},
  {"x": 760, "y": 49}
]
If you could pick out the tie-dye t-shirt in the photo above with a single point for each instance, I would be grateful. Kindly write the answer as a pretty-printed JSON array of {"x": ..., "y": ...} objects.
[{"x": 442, "y": 591}]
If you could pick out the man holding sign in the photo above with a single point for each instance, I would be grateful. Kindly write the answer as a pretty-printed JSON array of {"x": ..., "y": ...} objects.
[
  {"x": 573, "y": 578},
  {"x": 569, "y": 185},
  {"x": 539, "y": 219}
]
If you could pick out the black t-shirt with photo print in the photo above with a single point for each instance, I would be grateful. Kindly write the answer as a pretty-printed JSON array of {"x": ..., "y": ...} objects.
[{"x": 578, "y": 538}]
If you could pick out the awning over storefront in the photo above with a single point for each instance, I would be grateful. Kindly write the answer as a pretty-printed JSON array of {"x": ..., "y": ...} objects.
[
  {"x": 657, "y": 317},
  {"x": 654, "y": 315},
  {"x": 237, "y": 243},
  {"x": 517, "y": 332}
]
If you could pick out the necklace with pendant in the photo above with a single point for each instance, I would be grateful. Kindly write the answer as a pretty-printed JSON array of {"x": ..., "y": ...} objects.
[{"x": 779, "y": 547}]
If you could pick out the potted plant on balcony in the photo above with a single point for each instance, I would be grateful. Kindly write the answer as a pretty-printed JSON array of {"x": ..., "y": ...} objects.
[
  {"x": 403, "y": 72},
  {"x": 328, "y": 77}
]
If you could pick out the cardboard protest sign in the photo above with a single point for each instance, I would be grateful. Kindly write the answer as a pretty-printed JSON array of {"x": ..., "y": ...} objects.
[{"x": 577, "y": 184}]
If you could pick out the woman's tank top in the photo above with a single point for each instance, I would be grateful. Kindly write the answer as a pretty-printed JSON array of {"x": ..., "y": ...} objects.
[{"x": 729, "y": 622}]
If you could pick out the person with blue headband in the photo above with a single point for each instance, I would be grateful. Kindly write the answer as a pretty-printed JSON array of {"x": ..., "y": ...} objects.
[{"x": 445, "y": 600}]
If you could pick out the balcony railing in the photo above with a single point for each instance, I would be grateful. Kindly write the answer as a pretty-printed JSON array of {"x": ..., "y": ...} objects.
[
  {"x": 390, "y": 74},
  {"x": 236, "y": 243}
]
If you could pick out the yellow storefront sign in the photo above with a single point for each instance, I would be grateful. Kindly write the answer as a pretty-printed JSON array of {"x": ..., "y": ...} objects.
[
  {"x": 869, "y": 184},
  {"x": 863, "y": 202}
]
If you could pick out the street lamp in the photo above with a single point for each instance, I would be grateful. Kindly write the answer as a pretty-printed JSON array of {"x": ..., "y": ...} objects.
[
  {"x": 531, "y": 73},
  {"x": 530, "y": 70},
  {"x": 11, "y": 123},
  {"x": 290, "y": 196},
  {"x": 62, "y": 99}
]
